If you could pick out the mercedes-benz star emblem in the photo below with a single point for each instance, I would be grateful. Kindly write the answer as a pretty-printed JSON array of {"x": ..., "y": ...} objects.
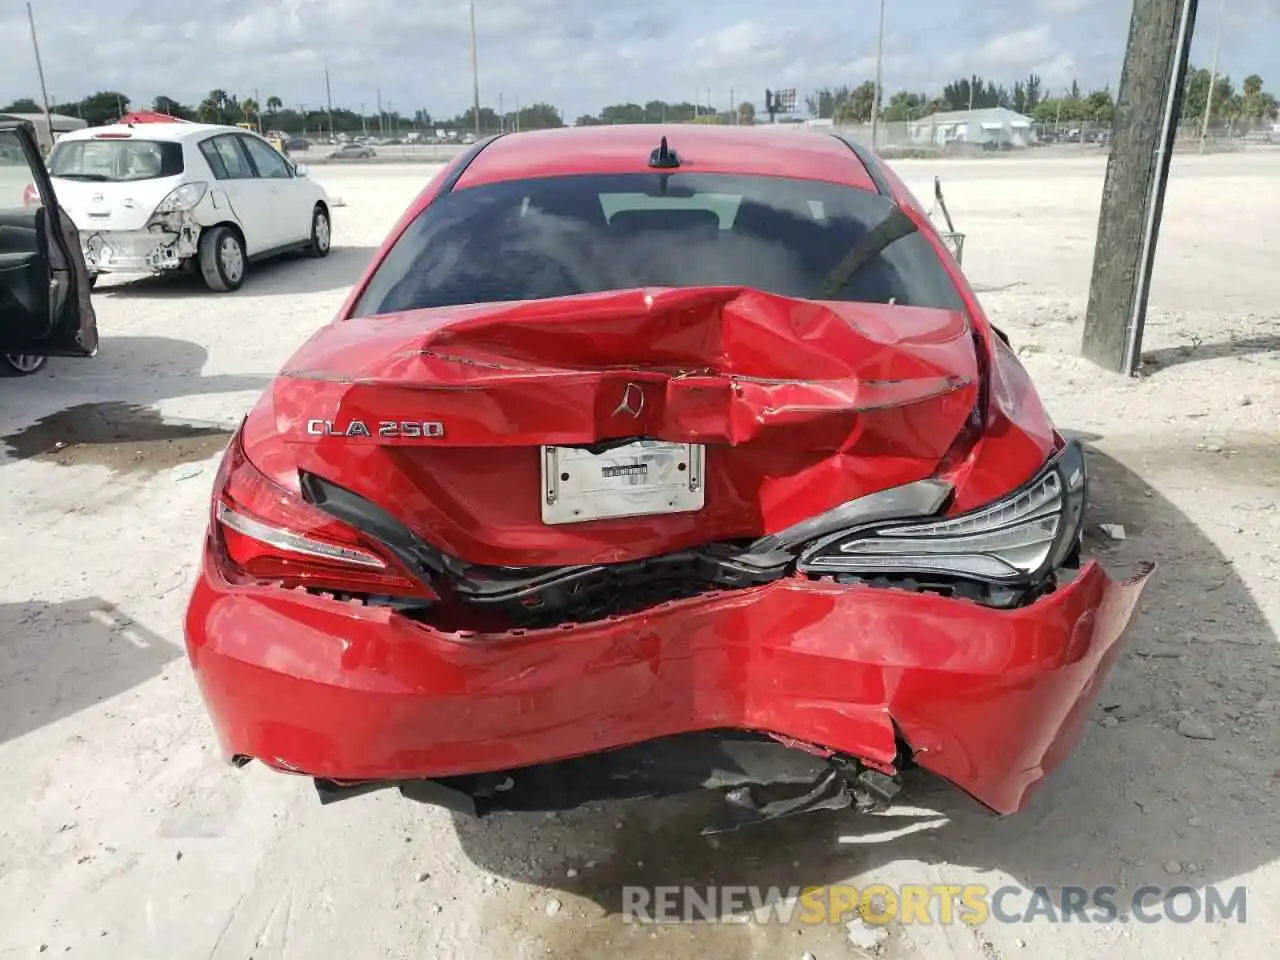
[{"x": 632, "y": 401}]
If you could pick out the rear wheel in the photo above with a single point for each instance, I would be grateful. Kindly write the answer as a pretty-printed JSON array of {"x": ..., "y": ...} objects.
[
  {"x": 321, "y": 235},
  {"x": 222, "y": 259},
  {"x": 20, "y": 364}
]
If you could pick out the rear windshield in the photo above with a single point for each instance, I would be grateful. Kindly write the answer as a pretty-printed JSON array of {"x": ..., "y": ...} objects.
[
  {"x": 560, "y": 236},
  {"x": 115, "y": 160}
]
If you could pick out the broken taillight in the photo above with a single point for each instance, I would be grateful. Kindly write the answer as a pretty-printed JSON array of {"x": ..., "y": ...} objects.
[{"x": 269, "y": 534}]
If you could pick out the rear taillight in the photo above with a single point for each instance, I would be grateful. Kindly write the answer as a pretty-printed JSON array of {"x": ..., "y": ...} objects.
[
  {"x": 183, "y": 198},
  {"x": 268, "y": 534},
  {"x": 31, "y": 196}
]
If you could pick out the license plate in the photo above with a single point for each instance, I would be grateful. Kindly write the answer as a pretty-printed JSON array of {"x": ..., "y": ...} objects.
[{"x": 640, "y": 479}]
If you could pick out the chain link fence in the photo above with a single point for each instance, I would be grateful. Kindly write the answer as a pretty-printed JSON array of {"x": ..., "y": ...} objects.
[
  {"x": 946, "y": 135},
  {"x": 961, "y": 135}
]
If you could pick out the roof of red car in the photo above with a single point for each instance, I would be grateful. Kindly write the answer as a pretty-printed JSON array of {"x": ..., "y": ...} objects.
[{"x": 752, "y": 150}]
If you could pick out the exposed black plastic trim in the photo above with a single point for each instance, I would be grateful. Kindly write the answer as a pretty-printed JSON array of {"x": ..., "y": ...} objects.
[
  {"x": 460, "y": 167},
  {"x": 869, "y": 161}
]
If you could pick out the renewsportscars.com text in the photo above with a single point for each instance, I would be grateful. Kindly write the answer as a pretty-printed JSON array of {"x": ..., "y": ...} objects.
[{"x": 925, "y": 904}]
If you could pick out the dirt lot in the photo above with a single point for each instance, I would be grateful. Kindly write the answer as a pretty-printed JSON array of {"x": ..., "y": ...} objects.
[{"x": 122, "y": 834}]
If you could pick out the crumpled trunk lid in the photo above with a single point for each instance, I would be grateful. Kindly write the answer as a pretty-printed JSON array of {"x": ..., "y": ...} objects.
[{"x": 444, "y": 417}]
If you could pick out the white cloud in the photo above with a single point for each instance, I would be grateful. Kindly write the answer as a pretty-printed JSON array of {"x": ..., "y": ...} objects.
[{"x": 576, "y": 54}]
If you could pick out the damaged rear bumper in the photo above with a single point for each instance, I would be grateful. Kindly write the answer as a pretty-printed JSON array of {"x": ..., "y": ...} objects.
[
  {"x": 988, "y": 699},
  {"x": 164, "y": 245}
]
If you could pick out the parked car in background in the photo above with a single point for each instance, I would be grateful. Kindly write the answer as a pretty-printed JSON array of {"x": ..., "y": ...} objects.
[
  {"x": 45, "y": 309},
  {"x": 297, "y": 144},
  {"x": 353, "y": 151},
  {"x": 157, "y": 197}
]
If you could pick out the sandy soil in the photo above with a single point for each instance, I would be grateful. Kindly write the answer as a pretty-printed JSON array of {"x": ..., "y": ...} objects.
[{"x": 123, "y": 835}]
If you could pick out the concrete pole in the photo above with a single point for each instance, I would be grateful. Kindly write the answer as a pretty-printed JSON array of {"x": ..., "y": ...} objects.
[
  {"x": 44, "y": 91},
  {"x": 1147, "y": 106},
  {"x": 1213, "y": 78},
  {"x": 875, "y": 102},
  {"x": 475, "y": 71}
]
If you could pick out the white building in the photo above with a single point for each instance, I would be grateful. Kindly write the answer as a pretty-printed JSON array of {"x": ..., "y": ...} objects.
[{"x": 994, "y": 125}]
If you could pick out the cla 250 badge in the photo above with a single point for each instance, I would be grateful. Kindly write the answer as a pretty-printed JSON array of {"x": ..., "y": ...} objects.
[{"x": 387, "y": 429}]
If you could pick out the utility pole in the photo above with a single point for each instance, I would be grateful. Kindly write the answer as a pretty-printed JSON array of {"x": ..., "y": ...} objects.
[
  {"x": 1147, "y": 106},
  {"x": 502, "y": 116},
  {"x": 382, "y": 127},
  {"x": 475, "y": 71},
  {"x": 875, "y": 103},
  {"x": 733, "y": 113},
  {"x": 1213, "y": 78},
  {"x": 364, "y": 121},
  {"x": 328, "y": 96},
  {"x": 517, "y": 119},
  {"x": 44, "y": 91}
]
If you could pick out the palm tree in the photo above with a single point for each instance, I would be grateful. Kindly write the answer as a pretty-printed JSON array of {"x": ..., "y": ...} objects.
[
  {"x": 274, "y": 105},
  {"x": 252, "y": 113}
]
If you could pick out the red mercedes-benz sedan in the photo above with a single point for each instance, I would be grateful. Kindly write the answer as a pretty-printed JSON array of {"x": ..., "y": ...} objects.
[{"x": 646, "y": 459}]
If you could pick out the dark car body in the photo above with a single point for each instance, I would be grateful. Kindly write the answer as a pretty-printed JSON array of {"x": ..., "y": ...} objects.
[
  {"x": 45, "y": 307},
  {"x": 655, "y": 458}
]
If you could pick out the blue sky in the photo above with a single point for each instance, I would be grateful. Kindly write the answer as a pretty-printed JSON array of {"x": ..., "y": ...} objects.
[{"x": 582, "y": 54}]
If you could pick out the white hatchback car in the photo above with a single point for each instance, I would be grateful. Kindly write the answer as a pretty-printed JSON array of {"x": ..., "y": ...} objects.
[{"x": 153, "y": 197}]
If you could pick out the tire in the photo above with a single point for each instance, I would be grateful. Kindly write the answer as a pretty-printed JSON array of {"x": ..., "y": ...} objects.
[
  {"x": 321, "y": 233},
  {"x": 222, "y": 259},
  {"x": 20, "y": 364}
]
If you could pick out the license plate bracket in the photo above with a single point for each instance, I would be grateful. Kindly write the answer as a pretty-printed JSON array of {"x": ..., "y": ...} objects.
[{"x": 642, "y": 478}]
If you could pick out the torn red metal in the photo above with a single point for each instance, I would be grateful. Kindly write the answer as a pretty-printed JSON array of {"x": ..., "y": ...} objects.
[
  {"x": 803, "y": 406},
  {"x": 885, "y": 569},
  {"x": 989, "y": 699}
]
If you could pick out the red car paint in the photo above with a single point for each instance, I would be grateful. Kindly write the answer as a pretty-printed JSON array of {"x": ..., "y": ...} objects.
[
  {"x": 803, "y": 406},
  {"x": 988, "y": 699}
]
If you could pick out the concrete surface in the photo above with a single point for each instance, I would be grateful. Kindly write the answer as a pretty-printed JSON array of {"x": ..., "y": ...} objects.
[{"x": 122, "y": 835}]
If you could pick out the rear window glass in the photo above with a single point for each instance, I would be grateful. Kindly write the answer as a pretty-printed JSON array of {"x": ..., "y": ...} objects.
[
  {"x": 115, "y": 160},
  {"x": 560, "y": 236}
]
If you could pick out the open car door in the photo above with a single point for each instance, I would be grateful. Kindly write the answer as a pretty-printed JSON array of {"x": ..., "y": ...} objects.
[{"x": 45, "y": 308}]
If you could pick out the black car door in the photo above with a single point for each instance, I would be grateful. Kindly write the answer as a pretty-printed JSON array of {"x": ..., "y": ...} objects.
[{"x": 44, "y": 286}]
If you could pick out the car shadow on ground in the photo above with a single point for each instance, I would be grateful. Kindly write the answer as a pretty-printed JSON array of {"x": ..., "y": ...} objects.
[
  {"x": 137, "y": 369},
  {"x": 289, "y": 275},
  {"x": 1154, "y": 361},
  {"x": 128, "y": 373},
  {"x": 1136, "y": 797},
  {"x": 59, "y": 658}
]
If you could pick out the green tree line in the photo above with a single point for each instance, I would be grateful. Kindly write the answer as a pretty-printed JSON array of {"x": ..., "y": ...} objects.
[
  {"x": 847, "y": 104},
  {"x": 221, "y": 106},
  {"x": 844, "y": 104}
]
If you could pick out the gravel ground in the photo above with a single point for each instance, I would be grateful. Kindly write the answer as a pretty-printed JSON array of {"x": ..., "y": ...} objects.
[{"x": 123, "y": 835}]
